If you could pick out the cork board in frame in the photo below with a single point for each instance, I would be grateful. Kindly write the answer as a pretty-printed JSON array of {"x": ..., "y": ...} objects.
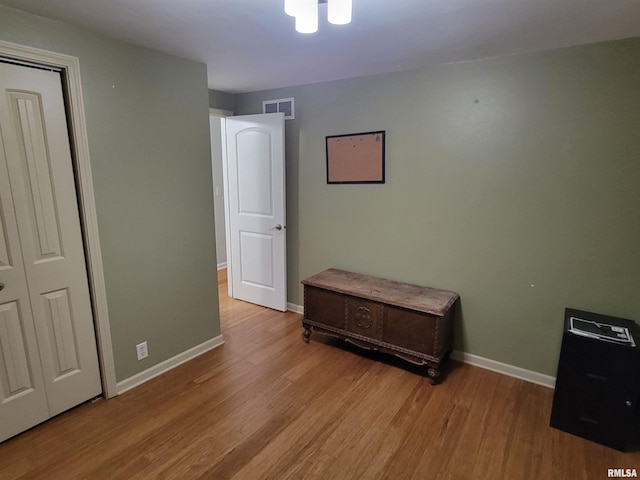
[{"x": 356, "y": 157}]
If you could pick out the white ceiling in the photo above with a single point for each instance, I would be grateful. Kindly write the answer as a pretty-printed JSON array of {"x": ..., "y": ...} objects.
[{"x": 251, "y": 45}]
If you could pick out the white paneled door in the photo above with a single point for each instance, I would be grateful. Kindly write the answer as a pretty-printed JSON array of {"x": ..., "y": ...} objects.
[
  {"x": 48, "y": 353},
  {"x": 256, "y": 230}
]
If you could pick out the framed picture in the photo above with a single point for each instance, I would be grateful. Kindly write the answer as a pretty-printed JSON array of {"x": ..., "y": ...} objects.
[{"x": 356, "y": 158}]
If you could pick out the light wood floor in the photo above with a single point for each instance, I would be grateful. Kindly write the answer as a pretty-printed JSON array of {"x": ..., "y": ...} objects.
[{"x": 267, "y": 405}]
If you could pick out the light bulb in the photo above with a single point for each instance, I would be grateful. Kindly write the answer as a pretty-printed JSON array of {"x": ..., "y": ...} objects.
[
  {"x": 290, "y": 7},
  {"x": 339, "y": 12},
  {"x": 307, "y": 16}
]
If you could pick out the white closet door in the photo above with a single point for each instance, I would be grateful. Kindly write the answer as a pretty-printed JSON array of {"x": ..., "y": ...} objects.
[
  {"x": 23, "y": 399},
  {"x": 41, "y": 187}
]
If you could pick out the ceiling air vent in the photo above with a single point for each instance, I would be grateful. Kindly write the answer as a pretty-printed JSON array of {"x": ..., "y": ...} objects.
[{"x": 284, "y": 105}]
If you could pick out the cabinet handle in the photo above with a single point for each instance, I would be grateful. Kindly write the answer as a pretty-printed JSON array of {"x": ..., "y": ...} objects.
[
  {"x": 597, "y": 377},
  {"x": 590, "y": 420}
]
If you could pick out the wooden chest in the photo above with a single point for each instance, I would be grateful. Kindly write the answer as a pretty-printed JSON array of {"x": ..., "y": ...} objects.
[{"x": 409, "y": 321}]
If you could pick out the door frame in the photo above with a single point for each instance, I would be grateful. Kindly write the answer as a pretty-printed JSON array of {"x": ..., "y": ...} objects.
[
  {"x": 72, "y": 86},
  {"x": 227, "y": 226},
  {"x": 222, "y": 115}
]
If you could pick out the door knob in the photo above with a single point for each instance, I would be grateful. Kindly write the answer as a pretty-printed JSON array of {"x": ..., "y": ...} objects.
[
  {"x": 276, "y": 227},
  {"x": 1, "y": 286}
]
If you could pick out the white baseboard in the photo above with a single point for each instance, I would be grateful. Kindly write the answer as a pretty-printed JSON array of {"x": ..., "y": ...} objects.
[
  {"x": 486, "y": 363},
  {"x": 222, "y": 266},
  {"x": 162, "y": 367},
  {"x": 505, "y": 369},
  {"x": 292, "y": 307}
]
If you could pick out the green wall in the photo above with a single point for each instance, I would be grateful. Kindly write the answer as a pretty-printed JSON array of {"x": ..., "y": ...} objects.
[
  {"x": 222, "y": 100},
  {"x": 513, "y": 181},
  {"x": 147, "y": 121}
]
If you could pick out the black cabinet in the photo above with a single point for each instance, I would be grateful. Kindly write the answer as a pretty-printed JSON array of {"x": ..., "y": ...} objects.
[{"x": 597, "y": 391}]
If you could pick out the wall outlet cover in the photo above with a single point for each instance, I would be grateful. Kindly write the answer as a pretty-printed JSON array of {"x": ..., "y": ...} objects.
[{"x": 142, "y": 351}]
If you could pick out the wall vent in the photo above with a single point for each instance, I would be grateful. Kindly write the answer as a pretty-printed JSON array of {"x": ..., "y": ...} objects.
[{"x": 284, "y": 105}]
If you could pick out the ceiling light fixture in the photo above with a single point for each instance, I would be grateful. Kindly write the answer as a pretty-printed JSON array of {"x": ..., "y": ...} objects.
[{"x": 306, "y": 13}]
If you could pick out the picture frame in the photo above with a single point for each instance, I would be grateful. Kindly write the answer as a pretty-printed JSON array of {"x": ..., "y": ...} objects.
[{"x": 356, "y": 158}]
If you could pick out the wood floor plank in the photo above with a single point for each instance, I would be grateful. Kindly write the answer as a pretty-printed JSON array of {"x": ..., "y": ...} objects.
[{"x": 266, "y": 405}]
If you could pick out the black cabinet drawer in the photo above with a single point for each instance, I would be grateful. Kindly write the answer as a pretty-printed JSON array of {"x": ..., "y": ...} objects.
[
  {"x": 613, "y": 427},
  {"x": 597, "y": 391},
  {"x": 608, "y": 362}
]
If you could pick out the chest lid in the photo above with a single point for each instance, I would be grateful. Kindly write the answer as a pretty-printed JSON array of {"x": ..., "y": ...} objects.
[{"x": 413, "y": 297}]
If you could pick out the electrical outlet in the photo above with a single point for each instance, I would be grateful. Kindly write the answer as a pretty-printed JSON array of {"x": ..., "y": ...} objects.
[{"x": 142, "y": 351}]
